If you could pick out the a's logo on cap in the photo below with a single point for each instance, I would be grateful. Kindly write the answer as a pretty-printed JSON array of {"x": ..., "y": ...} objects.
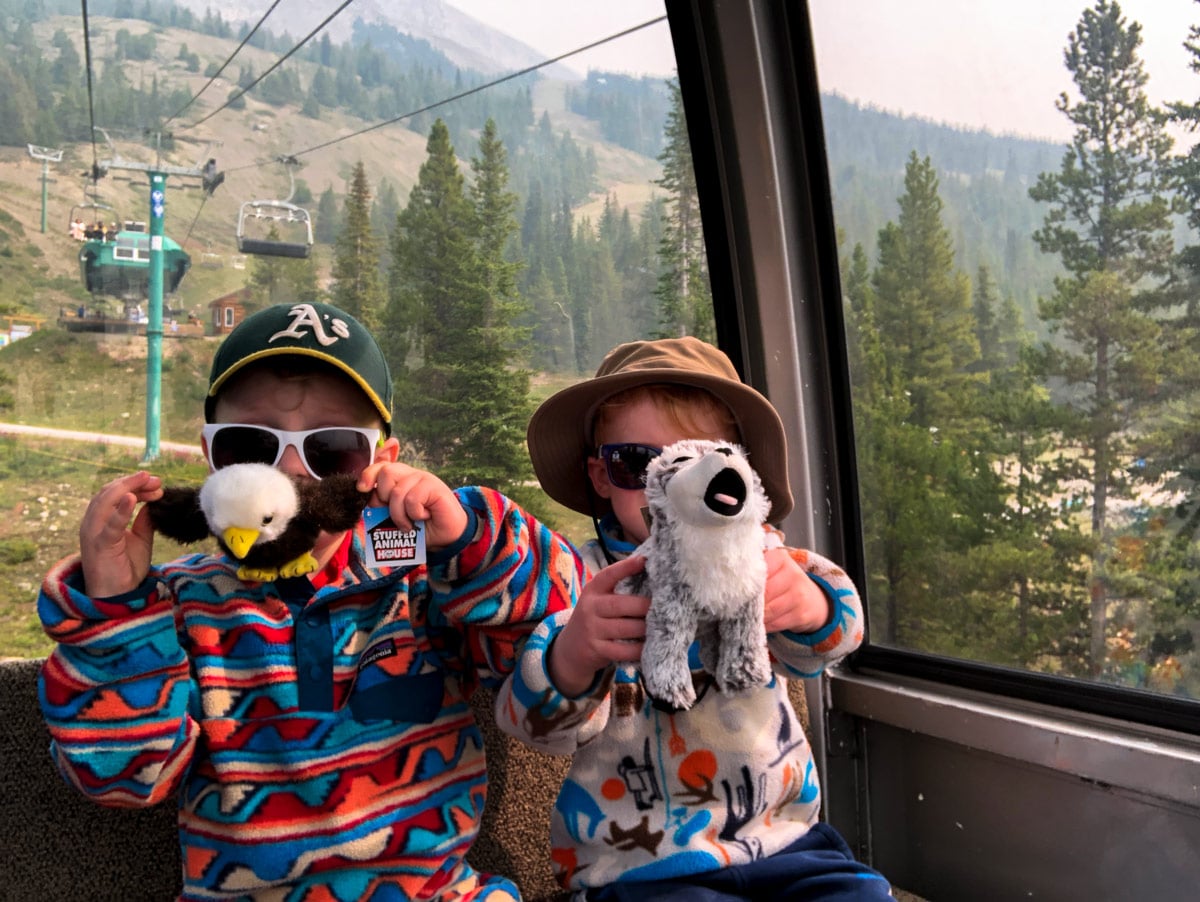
[{"x": 305, "y": 315}]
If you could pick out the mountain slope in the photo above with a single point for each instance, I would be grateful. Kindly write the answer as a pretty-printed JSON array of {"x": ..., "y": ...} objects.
[
  {"x": 244, "y": 142},
  {"x": 467, "y": 42}
]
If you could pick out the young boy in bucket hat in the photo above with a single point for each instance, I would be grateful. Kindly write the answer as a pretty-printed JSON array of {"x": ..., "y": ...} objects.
[
  {"x": 316, "y": 728},
  {"x": 718, "y": 802}
]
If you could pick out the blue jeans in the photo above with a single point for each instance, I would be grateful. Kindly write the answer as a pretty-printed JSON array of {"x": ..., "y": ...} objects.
[{"x": 818, "y": 866}]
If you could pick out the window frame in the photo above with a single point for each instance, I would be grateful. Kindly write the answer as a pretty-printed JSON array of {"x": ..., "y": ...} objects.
[
  {"x": 793, "y": 252},
  {"x": 967, "y": 780}
]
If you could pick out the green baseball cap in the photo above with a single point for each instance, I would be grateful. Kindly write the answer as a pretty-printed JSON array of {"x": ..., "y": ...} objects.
[{"x": 316, "y": 331}]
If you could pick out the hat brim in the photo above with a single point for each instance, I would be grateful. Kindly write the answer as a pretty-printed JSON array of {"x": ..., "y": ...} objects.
[{"x": 560, "y": 440}]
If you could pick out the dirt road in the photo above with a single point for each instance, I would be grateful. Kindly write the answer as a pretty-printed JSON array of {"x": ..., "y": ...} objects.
[{"x": 97, "y": 437}]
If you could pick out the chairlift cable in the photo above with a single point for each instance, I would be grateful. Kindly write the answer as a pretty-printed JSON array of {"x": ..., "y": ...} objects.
[
  {"x": 203, "y": 201},
  {"x": 228, "y": 60},
  {"x": 460, "y": 95},
  {"x": 87, "y": 51},
  {"x": 486, "y": 85},
  {"x": 467, "y": 93},
  {"x": 276, "y": 65}
]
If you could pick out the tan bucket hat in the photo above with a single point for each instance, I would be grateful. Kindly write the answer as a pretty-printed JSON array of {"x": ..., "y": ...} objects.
[{"x": 560, "y": 430}]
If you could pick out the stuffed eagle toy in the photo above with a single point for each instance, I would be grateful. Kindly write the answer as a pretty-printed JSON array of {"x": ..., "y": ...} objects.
[
  {"x": 704, "y": 572},
  {"x": 260, "y": 516}
]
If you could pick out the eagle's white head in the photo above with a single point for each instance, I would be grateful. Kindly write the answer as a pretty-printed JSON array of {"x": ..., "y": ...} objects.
[{"x": 248, "y": 504}]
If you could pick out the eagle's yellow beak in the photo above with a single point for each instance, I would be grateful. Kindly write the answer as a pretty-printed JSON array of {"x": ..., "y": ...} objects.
[{"x": 239, "y": 540}]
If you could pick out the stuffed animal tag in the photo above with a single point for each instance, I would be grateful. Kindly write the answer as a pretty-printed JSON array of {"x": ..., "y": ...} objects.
[
  {"x": 705, "y": 571},
  {"x": 390, "y": 546}
]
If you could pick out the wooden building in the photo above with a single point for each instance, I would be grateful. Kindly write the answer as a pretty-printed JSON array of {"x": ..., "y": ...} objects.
[{"x": 228, "y": 311}]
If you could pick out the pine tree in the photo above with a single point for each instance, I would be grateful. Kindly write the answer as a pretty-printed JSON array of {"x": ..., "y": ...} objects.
[
  {"x": 683, "y": 291},
  {"x": 1034, "y": 560},
  {"x": 327, "y": 224},
  {"x": 1109, "y": 223},
  {"x": 18, "y": 108},
  {"x": 552, "y": 348},
  {"x": 597, "y": 318},
  {"x": 385, "y": 209},
  {"x": 432, "y": 259},
  {"x": 322, "y": 88},
  {"x": 924, "y": 307},
  {"x": 357, "y": 287},
  {"x": 860, "y": 315},
  {"x": 987, "y": 325},
  {"x": 640, "y": 274},
  {"x": 449, "y": 329},
  {"x": 495, "y": 380},
  {"x": 928, "y": 494},
  {"x": 1169, "y": 541}
]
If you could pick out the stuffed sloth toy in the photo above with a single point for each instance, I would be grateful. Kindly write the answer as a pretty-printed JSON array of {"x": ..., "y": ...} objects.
[
  {"x": 260, "y": 516},
  {"x": 705, "y": 571}
]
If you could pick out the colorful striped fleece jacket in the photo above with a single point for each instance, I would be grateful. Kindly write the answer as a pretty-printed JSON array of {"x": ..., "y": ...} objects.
[
  {"x": 652, "y": 795},
  {"x": 321, "y": 745}
]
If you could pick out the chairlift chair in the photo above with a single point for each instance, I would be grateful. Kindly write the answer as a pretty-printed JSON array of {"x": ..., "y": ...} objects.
[
  {"x": 89, "y": 212},
  {"x": 297, "y": 220},
  {"x": 274, "y": 211}
]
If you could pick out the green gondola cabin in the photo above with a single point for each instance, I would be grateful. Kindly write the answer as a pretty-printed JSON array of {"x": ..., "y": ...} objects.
[{"x": 119, "y": 265}]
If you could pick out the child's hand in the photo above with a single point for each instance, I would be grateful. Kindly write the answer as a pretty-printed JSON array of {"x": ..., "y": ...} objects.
[
  {"x": 792, "y": 601},
  {"x": 115, "y": 553},
  {"x": 604, "y": 628},
  {"x": 410, "y": 495}
]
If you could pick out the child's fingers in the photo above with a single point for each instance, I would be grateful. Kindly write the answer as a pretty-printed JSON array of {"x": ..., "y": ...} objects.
[
  {"x": 626, "y": 628},
  {"x": 367, "y": 479},
  {"x": 393, "y": 486},
  {"x": 143, "y": 526},
  {"x": 115, "y": 553},
  {"x": 412, "y": 495},
  {"x": 606, "y": 580},
  {"x": 108, "y": 513},
  {"x": 623, "y": 607},
  {"x": 625, "y": 650}
]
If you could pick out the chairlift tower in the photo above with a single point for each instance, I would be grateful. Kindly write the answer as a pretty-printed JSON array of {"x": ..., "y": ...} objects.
[
  {"x": 157, "y": 175},
  {"x": 47, "y": 155}
]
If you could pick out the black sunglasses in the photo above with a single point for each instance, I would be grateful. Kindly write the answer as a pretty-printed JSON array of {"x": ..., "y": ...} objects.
[
  {"x": 626, "y": 463},
  {"x": 324, "y": 452}
]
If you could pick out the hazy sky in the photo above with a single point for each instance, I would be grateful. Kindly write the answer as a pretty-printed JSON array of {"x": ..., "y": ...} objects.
[
  {"x": 557, "y": 26},
  {"x": 995, "y": 64}
]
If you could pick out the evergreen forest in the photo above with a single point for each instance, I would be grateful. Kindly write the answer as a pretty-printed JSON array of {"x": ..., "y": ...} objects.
[{"x": 1028, "y": 478}]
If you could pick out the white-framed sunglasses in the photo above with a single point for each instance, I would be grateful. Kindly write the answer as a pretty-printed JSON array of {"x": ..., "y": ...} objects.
[{"x": 324, "y": 451}]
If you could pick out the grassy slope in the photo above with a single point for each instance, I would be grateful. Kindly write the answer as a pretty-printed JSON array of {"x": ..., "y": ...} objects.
[
  {"x": 87, "y": 383},
  {"x": 44, "y": 489}
]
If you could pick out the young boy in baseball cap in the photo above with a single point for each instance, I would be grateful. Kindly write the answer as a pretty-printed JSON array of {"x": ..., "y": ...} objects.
[
  {"x": 719, "y": 801},
  {"x": 314, "y": 728}
]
